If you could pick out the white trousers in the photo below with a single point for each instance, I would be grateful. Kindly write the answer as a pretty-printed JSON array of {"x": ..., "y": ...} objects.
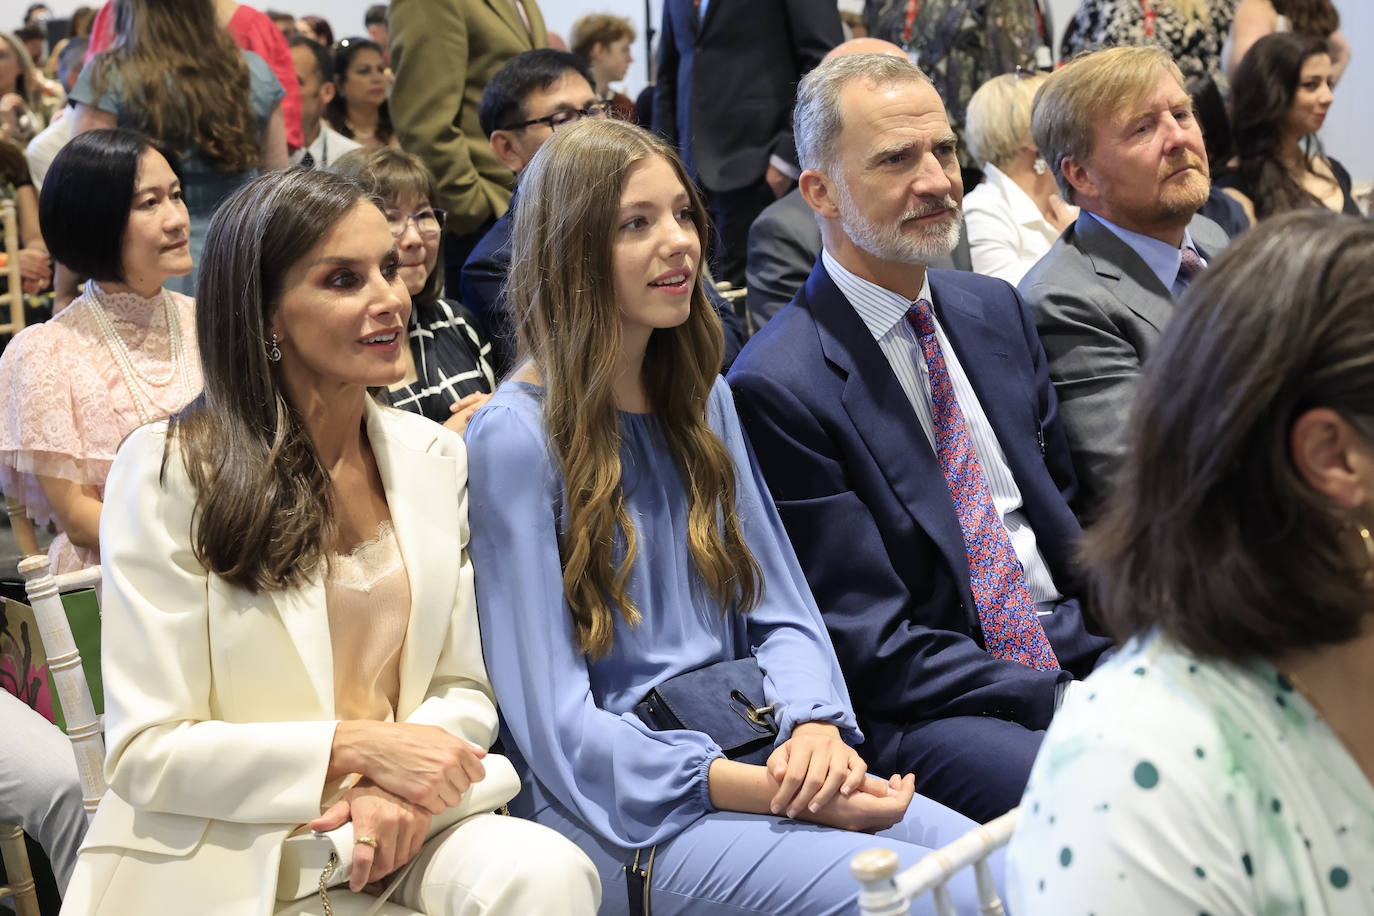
[{"x": 487, "y": 864}]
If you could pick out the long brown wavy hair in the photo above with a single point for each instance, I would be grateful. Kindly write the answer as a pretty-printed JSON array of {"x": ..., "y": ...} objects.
[
  {"x": 263, "y": 511},
  {"x": 561, "y": 292},
  {"x": 187, "y": 78}
]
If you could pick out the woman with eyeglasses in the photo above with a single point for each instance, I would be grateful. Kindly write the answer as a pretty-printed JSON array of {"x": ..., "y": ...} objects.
[{"x": 448, "y": 375}]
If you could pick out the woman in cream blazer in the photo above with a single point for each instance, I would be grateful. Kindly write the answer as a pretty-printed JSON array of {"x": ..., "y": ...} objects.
[{"x": 221, "y": 687}]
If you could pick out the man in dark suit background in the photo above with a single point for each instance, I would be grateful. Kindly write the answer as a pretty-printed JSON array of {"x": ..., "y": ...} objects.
[
  {"x": 1119, "y": 131},
  {"x": 727, "y": 76},
  {"x": 909, "y": 434}
]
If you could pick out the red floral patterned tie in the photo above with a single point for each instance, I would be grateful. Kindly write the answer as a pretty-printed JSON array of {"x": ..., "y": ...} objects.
[{"x": 1011, "y": 628}]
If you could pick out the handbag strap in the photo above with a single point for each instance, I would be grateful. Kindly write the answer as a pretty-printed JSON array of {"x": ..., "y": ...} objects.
[{"x": 638, "y": 880}]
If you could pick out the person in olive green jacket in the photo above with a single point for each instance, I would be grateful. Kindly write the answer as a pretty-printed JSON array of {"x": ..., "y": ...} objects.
[{"x": 443, "y": 53}]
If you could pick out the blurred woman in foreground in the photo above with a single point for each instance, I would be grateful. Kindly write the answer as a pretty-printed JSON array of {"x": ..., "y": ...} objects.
[{"x": 1222, "y": 761}]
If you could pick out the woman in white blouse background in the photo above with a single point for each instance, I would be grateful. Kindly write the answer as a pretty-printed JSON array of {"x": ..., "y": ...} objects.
[{"x": 1016, "y": 214}]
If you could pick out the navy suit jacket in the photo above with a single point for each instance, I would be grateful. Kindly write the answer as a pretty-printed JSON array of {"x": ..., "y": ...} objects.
[
  {"x": 727, "y": 81},
  {"x": 868, "y": 511}
]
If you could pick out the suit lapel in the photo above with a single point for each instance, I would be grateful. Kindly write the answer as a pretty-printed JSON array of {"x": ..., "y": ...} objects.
[
  {"x": 506, "y": 12},
  {"x": 985, "y": 353},
  {"x": 884, "y": 419},
  {"x": 703, "y": 22},
  {"x": 1124, "y": 273},
  {"x": 302, "y": 611},
  {"x": 419, "y": 483}
]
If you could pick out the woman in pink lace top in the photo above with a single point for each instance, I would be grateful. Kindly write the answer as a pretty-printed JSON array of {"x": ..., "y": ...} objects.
[{"x": 122, "y": 354}]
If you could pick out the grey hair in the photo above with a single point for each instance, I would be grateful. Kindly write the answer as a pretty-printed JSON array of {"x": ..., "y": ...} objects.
[{"x": 817, "y": 120}]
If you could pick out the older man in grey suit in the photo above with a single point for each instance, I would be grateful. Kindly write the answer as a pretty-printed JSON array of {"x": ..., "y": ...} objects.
[{"x": 1118, "y": 129}]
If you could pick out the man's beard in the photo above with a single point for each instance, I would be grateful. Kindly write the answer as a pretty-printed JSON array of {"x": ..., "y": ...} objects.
[
  {"x": 892, "y": 242},
  {"x": 1178, "y": 202}
]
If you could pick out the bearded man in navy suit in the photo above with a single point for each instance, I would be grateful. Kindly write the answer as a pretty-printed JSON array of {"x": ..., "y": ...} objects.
[{"x": 905, "y": 422}]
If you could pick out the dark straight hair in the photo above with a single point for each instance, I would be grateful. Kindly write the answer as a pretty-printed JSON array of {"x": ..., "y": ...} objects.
[
  {"x": 263, "y": 506},
  {"x": 503, "y": 99},
  {"x": 336, "y": 112},
  {"x": 1211, "y": 535},
  {"x": 87, "y": 193}
]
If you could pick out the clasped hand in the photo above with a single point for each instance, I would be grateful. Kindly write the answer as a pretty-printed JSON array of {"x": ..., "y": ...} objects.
[
  {"x": 822, "y": 779},
  {"x": 397, "y": 827},
  {"x": 409, "y": 774}
]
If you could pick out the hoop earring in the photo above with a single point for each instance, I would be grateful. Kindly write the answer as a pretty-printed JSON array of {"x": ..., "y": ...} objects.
[
  {"x": 1369, "y": 553},
  {"x": 1040, "y": 166},
  {"x": 273, "y": 351}
]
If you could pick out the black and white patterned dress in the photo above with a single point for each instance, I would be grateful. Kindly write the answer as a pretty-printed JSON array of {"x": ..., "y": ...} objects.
[
  {"x": 1194, "y": 43},
  {"x": 451, "y": 361}
]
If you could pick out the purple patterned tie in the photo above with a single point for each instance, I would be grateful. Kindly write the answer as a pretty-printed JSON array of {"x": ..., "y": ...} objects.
[
  {"x": 1189, "y": 265},
  {"x": 1011, "y": 628}
]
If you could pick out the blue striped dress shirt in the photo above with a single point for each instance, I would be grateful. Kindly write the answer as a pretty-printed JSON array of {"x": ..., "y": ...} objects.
[{"x": 884, "y": 313}]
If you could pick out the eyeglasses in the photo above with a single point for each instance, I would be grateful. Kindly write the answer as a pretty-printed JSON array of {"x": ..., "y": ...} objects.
[
  {"x": 566, "y": 116},
  {"x": 429, "y": 223}
]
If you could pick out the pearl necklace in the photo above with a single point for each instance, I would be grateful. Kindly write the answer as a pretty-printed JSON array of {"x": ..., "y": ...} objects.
[{"x": 124, "y": 361}]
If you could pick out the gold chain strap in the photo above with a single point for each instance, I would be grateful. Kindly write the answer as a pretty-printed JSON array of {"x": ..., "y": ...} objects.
[
  {"x": 324, "y": 882},
  {"x": 334, "y": 863}
]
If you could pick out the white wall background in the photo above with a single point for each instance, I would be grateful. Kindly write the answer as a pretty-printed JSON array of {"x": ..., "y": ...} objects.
[{"x": 1348, "y": 135}]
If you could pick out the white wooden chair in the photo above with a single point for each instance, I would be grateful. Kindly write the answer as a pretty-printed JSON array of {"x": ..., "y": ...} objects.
[
  {"x": 887, "y": 893},
  {"x": 44, "y": 592},
  {"x": 20, "y": 889},
  {"x": 12, "y": 300}
]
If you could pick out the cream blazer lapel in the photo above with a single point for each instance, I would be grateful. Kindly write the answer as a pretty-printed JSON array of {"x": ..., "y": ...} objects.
[{"x": 408, "y": 461}]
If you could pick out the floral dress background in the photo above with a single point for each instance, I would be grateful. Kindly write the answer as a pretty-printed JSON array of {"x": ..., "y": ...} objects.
[
  {"x": 961, "y": 44},
  {"x": 1194, "y": 43}
]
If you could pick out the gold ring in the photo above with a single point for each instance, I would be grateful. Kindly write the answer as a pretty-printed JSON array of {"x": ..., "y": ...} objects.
[{"x": 366, "y": 840}]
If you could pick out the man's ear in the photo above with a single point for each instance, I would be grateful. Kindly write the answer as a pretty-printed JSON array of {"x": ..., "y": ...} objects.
[
  {"x": 818, "y": 190},
  {"x": 596, "y": 49},
  {"x": 326, "y": 92},
  {"x": 1077, "y": 175},
  {"x": 504, "y": 147}
]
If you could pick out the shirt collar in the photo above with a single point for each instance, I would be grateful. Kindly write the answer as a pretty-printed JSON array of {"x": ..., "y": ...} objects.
[
  {"x": 1162, "y": 258},
  {"x": 1023, "y": 209},
  {"x": 880, "y": 309}
]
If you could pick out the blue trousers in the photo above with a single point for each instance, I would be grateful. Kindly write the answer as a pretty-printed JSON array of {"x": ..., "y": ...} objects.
[{"x": 734, "y": 864}]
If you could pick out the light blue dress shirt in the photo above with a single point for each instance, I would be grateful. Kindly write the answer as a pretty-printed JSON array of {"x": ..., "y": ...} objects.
[
  {"x": 884, "y": 313},
  {"x": 1162, "y": 258}
]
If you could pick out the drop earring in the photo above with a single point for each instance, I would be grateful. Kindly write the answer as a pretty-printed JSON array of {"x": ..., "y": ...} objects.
[
  {"x": 1040, "y": 166},
  {"x": 273, "y": 351}
]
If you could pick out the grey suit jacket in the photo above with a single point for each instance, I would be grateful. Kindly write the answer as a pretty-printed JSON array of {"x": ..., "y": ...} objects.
[
  {"x": 784, "y": 242},
  {"x": 1100, "y": 310}
]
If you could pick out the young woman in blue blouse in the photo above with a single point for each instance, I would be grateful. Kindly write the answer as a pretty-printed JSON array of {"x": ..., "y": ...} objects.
[{"x": 622, "y": 536}]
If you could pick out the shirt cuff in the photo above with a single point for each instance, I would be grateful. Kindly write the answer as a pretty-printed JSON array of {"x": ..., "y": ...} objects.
[{"x": 1062, "y": 691}]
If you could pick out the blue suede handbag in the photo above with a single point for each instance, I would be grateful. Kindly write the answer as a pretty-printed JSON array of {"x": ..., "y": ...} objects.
[{"x": 724, "y": 700}]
